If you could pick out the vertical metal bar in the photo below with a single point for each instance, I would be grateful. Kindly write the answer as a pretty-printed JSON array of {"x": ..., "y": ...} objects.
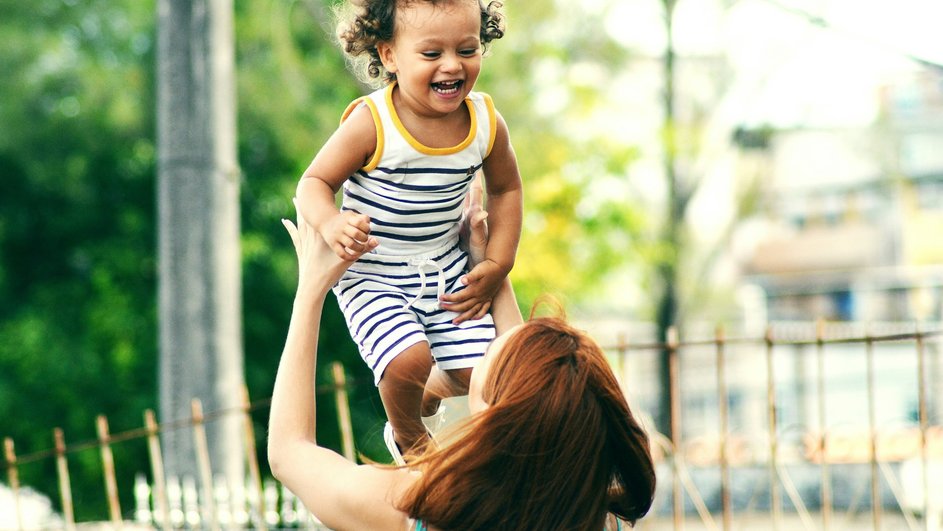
[
  {"x": 826, "y": 490},
  {"x": 203, "y": 464},
  {"x": 620, "y": 356},
  {"x": 343, "y": 410},
  {"x": 65, "y": 485},
  {"x": 724, "y": 427},
  {"x": 13, "y": 477},
  {"x": 159, "y": 490},
  {"x": 674, "y": 373},
  {"x": 872, "y": 432},
  {"x": 255, "y": 475},
  {"x": 923, "y": 419},
  {"x": 774, "y": 497},
  {"x": 108, "y": 469}
]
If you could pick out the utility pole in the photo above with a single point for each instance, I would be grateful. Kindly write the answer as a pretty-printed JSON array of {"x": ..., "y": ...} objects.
[
  {"x": 200, "y": 296},
  {"x": 666, "y": 311}
]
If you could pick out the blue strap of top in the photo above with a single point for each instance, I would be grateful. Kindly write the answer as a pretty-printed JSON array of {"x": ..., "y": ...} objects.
[{"x": 421, "y": 526}]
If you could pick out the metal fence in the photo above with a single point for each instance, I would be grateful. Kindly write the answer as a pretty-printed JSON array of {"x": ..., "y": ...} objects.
[
  {"x": 838, "y": 426},
  {"x": 763, "y": 435},
  {"x": 201, "y": 501}
]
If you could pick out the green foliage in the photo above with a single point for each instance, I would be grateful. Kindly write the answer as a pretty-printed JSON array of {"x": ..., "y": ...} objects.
[
  {"x": 77, "y": 319},
  {"x": 580, "y": 217}
]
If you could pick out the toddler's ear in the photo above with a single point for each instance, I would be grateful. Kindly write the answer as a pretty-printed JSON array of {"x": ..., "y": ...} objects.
[{"x": 385, "y": 51}]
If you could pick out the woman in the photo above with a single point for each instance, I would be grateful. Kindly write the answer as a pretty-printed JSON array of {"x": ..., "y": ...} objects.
[{"x": 550, "y": 443}]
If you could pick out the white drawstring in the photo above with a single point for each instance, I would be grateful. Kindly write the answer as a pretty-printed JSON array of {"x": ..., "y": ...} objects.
[{"x": 419, "y": 263}]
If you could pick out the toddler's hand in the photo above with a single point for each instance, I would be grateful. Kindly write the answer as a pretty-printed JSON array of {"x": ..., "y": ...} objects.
[
  {"x": 481, "y": 284},
  {"x": 318, "y": 267},
  {"x": 348, "y": 235}
]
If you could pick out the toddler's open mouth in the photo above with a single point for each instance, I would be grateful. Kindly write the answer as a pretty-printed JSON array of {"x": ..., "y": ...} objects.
[{"x": 447, "y": 88}]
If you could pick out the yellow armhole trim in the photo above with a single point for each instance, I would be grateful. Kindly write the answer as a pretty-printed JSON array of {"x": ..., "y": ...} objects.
[
  {"x": 419, "y": 146},
  {"x": 378, "y": 153},
  {"x": 492, "y": 122}
]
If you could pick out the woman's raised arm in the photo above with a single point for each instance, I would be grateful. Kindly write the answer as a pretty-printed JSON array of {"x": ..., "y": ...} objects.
[{"x": 340, "y": 493}]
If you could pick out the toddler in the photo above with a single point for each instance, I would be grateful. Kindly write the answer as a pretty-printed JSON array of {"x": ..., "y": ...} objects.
[{"x": 405, "y": 157}]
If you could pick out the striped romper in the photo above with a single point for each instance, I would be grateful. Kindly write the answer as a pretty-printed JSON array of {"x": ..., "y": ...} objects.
[{"x": 414, "y": 197}]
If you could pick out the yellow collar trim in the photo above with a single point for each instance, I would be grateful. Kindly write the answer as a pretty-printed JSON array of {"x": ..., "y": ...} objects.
[{"x": 419, "y": 146}]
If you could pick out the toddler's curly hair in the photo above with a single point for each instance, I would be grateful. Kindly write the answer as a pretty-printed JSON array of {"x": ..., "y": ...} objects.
[{"x": 364, "y": 23}]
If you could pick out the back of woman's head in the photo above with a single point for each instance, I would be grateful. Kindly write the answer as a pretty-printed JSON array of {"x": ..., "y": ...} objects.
[{"x": 557, "y": 448}]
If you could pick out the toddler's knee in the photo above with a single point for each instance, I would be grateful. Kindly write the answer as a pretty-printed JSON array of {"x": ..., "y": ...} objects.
[
  {"x": 460, "y": 377},
  {"x": 412, "y": 366}
]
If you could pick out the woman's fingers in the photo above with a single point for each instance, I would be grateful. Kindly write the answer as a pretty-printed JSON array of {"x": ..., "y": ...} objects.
[
  {"x": 292, "y": 231},
  {"x": 476, "y": 192}
]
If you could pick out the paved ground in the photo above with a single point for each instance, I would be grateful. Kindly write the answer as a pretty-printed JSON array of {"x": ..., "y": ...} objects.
[{"x": 790, "y": 522}]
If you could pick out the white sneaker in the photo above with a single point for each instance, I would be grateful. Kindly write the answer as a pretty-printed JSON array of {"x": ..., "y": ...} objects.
[
  {"x": 435, "y": 422},
  {"x": 391, "y": 445}
]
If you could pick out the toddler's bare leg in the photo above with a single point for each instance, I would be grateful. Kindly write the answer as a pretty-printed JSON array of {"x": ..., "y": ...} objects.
[
  {"x": 444, "y": 384},
  {"x": 401, "y": 389}
]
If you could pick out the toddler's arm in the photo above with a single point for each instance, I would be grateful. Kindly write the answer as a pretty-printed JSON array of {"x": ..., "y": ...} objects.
[
  {"x": 348, "y": 149},
  {"x": 504, "y": 207}
]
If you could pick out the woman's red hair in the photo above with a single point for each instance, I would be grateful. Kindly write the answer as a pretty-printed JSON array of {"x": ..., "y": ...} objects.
[{"x": 557, "y": 448}]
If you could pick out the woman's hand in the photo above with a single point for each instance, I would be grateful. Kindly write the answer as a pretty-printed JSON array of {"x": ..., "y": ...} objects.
[
  {"x": 319, "y": 267},
  {"x": 482, "y": 278},
  {"x": 473, "y": 231}
]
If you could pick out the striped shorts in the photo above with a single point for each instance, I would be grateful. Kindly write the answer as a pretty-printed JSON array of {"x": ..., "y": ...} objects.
[{"x": 391, "y": 303}]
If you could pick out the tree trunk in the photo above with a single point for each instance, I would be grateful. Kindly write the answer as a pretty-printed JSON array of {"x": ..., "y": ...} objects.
[{"x": 198, "y": 230}]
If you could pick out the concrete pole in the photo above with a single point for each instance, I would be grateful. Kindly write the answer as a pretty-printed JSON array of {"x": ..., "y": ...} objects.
[{"x": 200, "y": 293}]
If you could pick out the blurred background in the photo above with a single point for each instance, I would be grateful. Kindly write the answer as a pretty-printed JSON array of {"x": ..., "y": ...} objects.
[{"x": 687, "y": 163}]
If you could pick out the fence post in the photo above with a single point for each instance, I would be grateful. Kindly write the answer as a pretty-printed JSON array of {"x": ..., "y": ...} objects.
[
  {"x": 774, "y": 501},
  {"x": 159, "y": 490},
  {"x": 13, "y": 477},
  {"x": 872, "y": 432},
  {"x": 255, "y": 475},
  {"x": 826, "y": 491},
  {"x": 674, "y": 373},
  {"x": 343, "y": 410},
  {"x": 621, "y": 346},
  {"x": 203, "y": 463},
  {"x": 923, "y": 421},
  {"x": 65, "y": 486},
  {"x": 723, "y": 414},
  {"x": 108, "y": 469}
]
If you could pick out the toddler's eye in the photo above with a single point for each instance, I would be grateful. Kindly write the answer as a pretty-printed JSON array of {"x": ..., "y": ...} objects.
[
  {"x": 469, "y": 52},
  {"x": 430, "y": 55}
]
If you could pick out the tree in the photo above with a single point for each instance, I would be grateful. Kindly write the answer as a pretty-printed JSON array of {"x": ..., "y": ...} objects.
[
  {"x": 677, "y": 258},
  {"x": 77, "y": 275},
  {"x": 200, "y": 314}
]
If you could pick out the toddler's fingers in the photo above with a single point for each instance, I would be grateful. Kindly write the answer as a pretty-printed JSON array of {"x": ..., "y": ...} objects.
[
  {"x": 483, "y": 311},
  {"x": 455, "y": 298},
  {"x": 356, "y": 234},
  {"x": 467, "y": 315},
  {"x": 361, "y": 222}
]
